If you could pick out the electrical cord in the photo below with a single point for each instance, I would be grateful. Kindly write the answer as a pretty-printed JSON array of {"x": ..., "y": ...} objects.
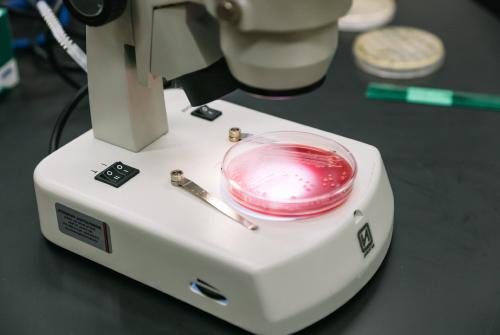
[
  {"x": 57, "y": 30},
  {"x": 42, "y": 46},
  {"x": 51, "y": 57},
  {"x": 62, "y": 119},
  {"x": 74, "y": 51},
  {"x": 40, "y": 52},
  {"x": 75, "y": 33},
  {"x": 26, "y": 9}
]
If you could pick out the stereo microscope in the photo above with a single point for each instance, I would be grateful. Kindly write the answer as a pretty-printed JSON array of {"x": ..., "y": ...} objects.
[{"x": 117, "y": 196}]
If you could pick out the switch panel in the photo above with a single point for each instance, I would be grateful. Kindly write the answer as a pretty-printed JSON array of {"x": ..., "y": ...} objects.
[
  {"x": 206, "y": 113},
  {"x": 117, "y": 174}
]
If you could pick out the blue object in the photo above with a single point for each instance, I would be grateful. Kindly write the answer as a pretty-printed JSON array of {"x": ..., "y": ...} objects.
[{"x": 26, "y": 43}]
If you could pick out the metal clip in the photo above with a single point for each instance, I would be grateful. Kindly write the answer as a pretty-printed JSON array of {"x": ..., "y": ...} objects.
[{"x": 177, "y": 178}]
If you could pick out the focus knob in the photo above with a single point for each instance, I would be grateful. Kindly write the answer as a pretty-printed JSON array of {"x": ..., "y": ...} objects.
[{"x": 96, "y": 12}]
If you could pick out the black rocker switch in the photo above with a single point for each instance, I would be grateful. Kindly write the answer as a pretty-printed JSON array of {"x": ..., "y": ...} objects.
[
  {"x": 117, "y": 174},
  {"x": 206, "y": 113}
]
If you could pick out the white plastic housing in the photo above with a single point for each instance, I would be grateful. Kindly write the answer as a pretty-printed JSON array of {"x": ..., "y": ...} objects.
[{"x": 277, "y": 280}]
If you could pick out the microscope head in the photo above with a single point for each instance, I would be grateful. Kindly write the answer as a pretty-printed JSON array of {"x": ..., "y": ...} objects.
[
  {"x": 269, "y": 48},
  {"x": 274, "y": 48},
  {"x": 211, "y": 47},
  {"x": 278, "y": 47}
]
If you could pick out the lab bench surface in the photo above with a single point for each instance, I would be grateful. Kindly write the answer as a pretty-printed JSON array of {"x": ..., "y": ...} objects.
[{"x": 442, "y": 272}]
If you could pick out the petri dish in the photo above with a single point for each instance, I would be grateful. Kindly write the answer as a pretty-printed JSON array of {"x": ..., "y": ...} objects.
[
  {"x": 368, "y": 14},
  {"x": 288, "y": 174},
  {"x": 399, "y": 52}
]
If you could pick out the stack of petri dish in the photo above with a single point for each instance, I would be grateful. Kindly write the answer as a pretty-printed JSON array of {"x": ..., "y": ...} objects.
[
  {"x": 399, "y": 52},
  {"x": 368, "y": 14}
]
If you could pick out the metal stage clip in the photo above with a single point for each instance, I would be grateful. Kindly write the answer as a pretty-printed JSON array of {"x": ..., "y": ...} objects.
[{"x": 177, "y": 178}]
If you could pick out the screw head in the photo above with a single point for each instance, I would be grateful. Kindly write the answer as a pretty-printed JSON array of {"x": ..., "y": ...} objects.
[
  {"x": 234, "y": 134},
  {"x": 228, "y": 10},
  {"x": 176, "y": 176}
]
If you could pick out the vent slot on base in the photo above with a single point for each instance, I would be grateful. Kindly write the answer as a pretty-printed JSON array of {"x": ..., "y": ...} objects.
[{"x": 205, "y": 289}]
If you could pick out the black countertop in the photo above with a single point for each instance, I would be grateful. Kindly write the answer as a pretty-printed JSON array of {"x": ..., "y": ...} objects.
[{"x": 442, "y": 273}]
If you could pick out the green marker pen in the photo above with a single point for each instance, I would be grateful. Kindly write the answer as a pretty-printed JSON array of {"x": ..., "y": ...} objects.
[{"x": 432, "y": 96}]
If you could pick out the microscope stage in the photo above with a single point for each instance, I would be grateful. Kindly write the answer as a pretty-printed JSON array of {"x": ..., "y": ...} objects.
[{"x": 276, "y": 280}]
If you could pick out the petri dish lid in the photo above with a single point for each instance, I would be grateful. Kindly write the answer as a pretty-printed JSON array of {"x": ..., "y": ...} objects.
[
  {"x": 288, "y": 174},
  {"x": 368, "y": 14},
  {"x": 399, "y": 52}
]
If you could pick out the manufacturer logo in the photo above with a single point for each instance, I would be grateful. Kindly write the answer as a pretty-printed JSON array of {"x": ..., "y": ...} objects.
[{"x": 365, "y": 239}]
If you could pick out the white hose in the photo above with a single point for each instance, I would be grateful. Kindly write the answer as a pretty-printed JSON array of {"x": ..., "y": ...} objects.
[{"x": 60, "y": 35}]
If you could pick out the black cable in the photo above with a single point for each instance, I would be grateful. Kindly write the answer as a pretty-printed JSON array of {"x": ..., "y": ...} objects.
[
  {"x": 63, "y": 117},
  {"x": 40, "y": 52},
  {"x": 75, "y": 34},
  {"x": 56, "y": 65}
]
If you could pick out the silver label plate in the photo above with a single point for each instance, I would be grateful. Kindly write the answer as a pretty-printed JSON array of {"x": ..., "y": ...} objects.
[{"x": 83, "y": 227}]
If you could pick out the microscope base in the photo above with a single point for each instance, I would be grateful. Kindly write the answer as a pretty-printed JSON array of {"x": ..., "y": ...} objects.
[{"x": 275, "y": 280}]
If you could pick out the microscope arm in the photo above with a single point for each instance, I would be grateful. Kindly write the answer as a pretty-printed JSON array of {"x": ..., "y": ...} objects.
[
  {"x": 126, "y": 102},
  {"x": 277, "y": 46}
]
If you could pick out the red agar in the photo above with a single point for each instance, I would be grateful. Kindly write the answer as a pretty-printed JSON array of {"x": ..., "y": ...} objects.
[{"x": 289, "y": 180}]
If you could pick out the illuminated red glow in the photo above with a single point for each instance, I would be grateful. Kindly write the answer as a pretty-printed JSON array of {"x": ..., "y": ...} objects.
[{"x": 289, "y": 180}]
